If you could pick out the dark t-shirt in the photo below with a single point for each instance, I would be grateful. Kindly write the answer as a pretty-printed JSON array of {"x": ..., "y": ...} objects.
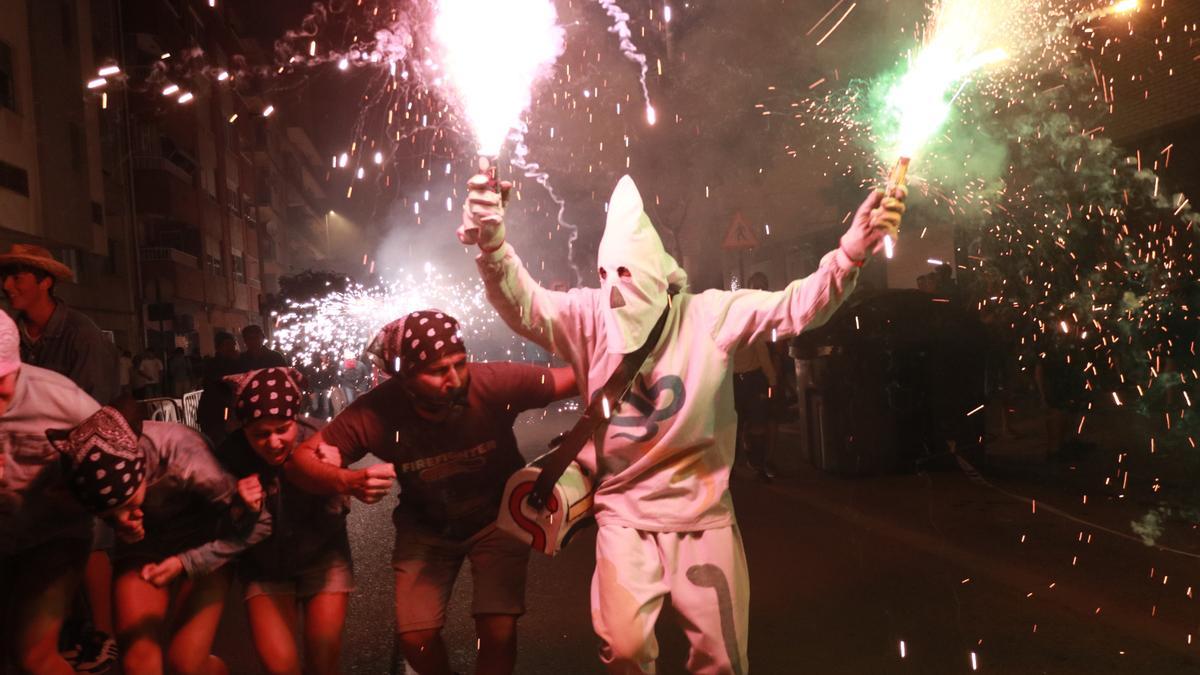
[
  {"x": 451, "y": 473},
  {"x": 304, "y": 527}
]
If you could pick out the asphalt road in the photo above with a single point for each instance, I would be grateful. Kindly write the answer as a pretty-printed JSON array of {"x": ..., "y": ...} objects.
[{"x": 842, "y": 573}]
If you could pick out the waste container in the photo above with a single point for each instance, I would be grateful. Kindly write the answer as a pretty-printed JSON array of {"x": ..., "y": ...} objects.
[{"x": 889, "y": 384}]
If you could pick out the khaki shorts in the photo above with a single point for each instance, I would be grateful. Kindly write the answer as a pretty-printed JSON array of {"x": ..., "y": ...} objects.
[
  {"x": 333, "y": 573},
  {"x": 426, "y": 567}
]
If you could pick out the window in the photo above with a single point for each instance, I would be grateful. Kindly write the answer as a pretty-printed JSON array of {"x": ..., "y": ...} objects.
[
  {"x": 70, "y": 258},
  {"x": 8, "y": 78},
  {"x": 214, "y": 260},
  {"x": 14, "y": 178},
  {"x": 97, "y": 213},
  {"x": 216, "y": 266},
  {"x": 239, "y": 268},
  {"x": 178, "y": 157}
]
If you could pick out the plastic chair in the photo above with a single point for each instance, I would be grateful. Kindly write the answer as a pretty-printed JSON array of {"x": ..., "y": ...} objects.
[{"x": 191, "y": 404}]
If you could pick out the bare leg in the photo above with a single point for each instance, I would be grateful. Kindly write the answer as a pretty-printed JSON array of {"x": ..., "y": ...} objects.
[
  {"x": 425, "y": 651},
  {"x": 199, "y": 606},
  {"x": 40, "y": 603},
  {"x": 497, "y": 644},
  {"x": 141, "y": 611},
  {"x": 324, "y": 619},
  {"x": 98, "y": 582},
  {"x": 273, "y": 625}
]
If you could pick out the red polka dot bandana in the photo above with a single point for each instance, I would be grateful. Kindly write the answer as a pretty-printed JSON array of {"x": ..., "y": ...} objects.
[
  {"x": 408, "y": 344},
  {"x": 105, "y": 465},
  {"x": 268, "y": 392}
]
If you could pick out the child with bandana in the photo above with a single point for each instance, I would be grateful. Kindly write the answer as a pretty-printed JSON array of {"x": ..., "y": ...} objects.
[
  {"x": 667, "y": 525},
  {"x": 307, "y": 556},
  {"x": 178, "y": 520}
]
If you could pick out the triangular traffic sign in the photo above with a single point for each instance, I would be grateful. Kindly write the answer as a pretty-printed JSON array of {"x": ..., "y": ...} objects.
[{"x": 739, "y": 235}]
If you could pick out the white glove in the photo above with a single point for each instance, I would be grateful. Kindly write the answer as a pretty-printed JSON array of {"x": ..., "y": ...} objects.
[
  {"x": 483, "y": 213},
  {"x": 879, "y": 216}
]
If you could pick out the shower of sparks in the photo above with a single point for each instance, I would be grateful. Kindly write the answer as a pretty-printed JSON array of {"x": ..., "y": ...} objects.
[
  {"x": 960, "y": 38},
  {"x": 1080, "y": 253},
  {"x": 494, "y": 87},
  {"x": 340, "y": 325}
]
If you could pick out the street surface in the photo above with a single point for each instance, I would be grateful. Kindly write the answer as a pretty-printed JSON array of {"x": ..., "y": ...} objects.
[{"x": 842, "y": 572}]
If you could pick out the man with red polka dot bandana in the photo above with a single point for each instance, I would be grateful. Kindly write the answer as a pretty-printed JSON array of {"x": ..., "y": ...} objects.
[{"x": 443, "y": 425}]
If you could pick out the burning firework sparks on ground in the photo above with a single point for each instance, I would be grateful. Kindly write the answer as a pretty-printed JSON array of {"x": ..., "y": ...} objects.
[{"x": 340, "y": 324}]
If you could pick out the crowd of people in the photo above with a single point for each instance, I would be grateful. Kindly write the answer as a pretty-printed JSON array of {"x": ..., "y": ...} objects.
[{"x": 155, "y": 521}]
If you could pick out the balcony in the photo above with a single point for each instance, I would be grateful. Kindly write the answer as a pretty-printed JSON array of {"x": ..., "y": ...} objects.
[
  {"x": 172, "y": 274},
  {"x": 162, "y": 253}
]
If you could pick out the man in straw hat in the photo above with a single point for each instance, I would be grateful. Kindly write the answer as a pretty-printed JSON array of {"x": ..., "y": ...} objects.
[{"x": 53, "y": 335}]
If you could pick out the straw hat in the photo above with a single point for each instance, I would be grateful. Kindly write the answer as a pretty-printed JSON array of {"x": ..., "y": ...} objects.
[{"x": 38, "y": 257}]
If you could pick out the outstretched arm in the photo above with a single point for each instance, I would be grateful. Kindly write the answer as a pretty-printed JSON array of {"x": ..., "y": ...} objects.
[
  {"x": 306, "y": 469},
  {"x": 749, "y": 316}
]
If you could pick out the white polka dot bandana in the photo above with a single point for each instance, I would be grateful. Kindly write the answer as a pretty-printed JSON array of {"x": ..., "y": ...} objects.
[
  {"x": 407, "y": 344},
  {"x": 268, "y": 392},
  {"x": 105, "y": 465}
]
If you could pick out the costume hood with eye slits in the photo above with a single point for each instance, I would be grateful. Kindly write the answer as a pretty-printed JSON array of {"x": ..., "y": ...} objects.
[{"x": 633, "y": 303}]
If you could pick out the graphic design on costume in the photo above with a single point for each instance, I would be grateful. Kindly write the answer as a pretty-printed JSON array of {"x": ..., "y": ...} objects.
[
  {"x": 645, "y": 402},
  {"x": 451, "y": 463}
]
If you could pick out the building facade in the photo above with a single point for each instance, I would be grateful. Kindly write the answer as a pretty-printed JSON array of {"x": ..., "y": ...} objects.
[{"x": 61, "y": 179}]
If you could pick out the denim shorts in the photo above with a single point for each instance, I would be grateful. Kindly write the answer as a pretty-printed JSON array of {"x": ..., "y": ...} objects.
[
  {"x": 426, "y": 567},
  {"x": 331, "y": 573}
]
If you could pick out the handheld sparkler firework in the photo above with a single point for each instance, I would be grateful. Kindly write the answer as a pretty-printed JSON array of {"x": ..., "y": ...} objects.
[
  {"x": 898, "y": 178},
  {"x": 492, "y": 99},
  {"x": 920, "y": 102}
]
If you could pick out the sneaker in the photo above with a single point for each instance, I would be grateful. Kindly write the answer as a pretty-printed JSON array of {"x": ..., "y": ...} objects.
[{"x": 96, "y": 655}]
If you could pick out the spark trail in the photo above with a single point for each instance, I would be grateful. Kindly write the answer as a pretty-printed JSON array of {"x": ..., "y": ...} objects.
[{"x": 620, "y": 28}]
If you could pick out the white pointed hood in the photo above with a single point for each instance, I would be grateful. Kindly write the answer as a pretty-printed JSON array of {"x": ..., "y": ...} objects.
[{"x": 633, "y": 301}]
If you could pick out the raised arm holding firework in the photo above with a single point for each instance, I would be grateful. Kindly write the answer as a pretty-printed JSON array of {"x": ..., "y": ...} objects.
[{"x": 662, "y": 461}]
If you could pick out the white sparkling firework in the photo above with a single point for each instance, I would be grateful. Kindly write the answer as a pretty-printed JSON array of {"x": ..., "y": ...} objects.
[
  {"x": 493, "y": 82},
  {"x": 339, "y": 325}
]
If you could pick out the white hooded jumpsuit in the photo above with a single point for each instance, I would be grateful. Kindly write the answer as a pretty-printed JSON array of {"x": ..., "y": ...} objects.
[{"x": 666, "y": 520}]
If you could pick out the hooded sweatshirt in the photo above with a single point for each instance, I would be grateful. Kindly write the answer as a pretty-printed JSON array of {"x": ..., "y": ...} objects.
[
  {"x": 35, "y": 504},
  {"x": 663, "y": 460}
]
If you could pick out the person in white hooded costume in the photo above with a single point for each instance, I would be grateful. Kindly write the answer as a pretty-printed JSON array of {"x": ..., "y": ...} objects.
[{"x": 662, "y": 463}]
